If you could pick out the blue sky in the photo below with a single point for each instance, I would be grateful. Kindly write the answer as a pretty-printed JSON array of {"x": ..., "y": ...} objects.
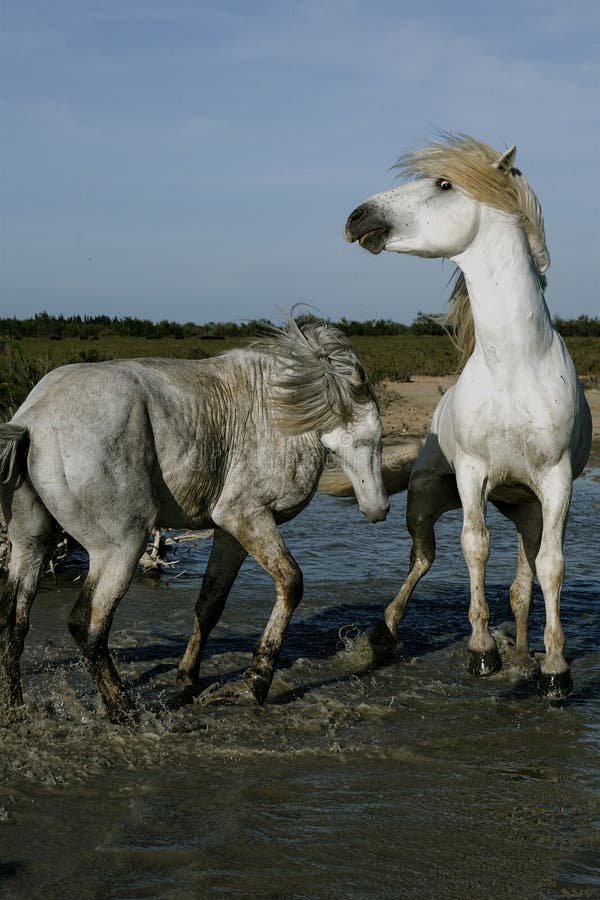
[{"x": 196, "y": 160}]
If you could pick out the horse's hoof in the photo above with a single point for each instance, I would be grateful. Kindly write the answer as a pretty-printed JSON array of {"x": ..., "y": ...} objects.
[
  {"x": 188, "y": 694},
  {"x": 482, "y": 664},
  {"x": 383, "y": 643},
  {"x": 185, "y": 679},
  {"x": 382, "y": 636},
  {"x": 259, "y": 684},
  {"x": 555, "y": 685}
]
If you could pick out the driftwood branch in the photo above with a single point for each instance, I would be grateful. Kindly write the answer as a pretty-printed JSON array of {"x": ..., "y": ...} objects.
[{"x": 152, "y": 560}]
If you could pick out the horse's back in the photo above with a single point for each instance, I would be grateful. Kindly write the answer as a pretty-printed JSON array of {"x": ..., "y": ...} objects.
[
  {"x": 112, "y": 380},
  {"x": 105, "y": 397}
]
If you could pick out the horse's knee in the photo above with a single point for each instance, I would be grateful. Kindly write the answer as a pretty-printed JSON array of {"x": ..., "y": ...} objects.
[
  {"x": 92, "y": 644},
  {"x": 550, "y": 567},
  {"x": 295, "y": 585},
  {"x": 291, "y": 585},
  {"x": 475, "y": 543},
  {"x": 421, "y": 559},
  {"x": 79, "y": 623}
]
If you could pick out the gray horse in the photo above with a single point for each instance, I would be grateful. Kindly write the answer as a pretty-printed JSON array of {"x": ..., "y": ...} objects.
[{"x": 108, "y": 451}]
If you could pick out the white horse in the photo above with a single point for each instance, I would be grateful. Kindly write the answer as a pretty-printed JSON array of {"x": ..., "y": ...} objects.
[
  {"x": 108, "y": 451},
  {"x": 516, "y": 427}
]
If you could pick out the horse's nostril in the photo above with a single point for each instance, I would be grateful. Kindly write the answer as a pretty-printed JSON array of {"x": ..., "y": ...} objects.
[{"x": 357, "y": 215}]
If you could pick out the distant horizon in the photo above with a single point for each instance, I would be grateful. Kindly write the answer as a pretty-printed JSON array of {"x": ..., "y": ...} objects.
[{"x": 93, "y": 317}]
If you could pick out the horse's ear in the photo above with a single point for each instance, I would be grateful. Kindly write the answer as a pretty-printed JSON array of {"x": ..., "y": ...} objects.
[{"x": 507, "y": 160}]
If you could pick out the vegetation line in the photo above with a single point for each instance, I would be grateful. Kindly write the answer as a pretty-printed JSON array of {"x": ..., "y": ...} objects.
[
  {"x": 89, "y": 327},
  {"x": 390, "y": 350}
]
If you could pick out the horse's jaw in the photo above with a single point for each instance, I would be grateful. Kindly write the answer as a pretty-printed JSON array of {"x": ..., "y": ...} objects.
[{"x": 374, "y": 241}]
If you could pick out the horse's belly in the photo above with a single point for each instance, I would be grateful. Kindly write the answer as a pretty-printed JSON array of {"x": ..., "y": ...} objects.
[
  {"x": 173, "y": 516},
  {"x": 186, "y": 503},
  {"x": 512, "y": 493}
]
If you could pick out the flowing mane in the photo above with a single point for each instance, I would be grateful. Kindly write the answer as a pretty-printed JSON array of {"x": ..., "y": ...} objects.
[
  {"x": 319, "y": 378},
  {"x": 471, "y": 165}
]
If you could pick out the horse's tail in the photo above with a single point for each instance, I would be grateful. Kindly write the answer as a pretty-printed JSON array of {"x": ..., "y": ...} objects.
[
  {"x": 14, "y": 440},
  {"x": 396, "y": 467}
]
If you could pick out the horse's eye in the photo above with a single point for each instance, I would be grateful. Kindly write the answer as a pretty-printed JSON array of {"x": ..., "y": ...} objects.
[{"x": 443, "y": 184}]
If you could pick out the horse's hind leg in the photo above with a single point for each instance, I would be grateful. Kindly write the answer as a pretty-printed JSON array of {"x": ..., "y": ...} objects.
[
  {"x": 108, "y": 578},
  {"x": 429, "y": 496},
  {"x": 32, "y": 533},
  {"x": 528, "y": 520},
  {"x": 226, "y": 557},
  {"x": 520, "y": 600}
]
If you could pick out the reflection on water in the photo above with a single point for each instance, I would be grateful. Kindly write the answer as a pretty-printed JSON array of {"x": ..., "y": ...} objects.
[{"x": 408, "y": 780}]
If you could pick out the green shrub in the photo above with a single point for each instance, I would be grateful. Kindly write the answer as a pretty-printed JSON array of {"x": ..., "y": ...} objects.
[{"x": 18, "y": 374}]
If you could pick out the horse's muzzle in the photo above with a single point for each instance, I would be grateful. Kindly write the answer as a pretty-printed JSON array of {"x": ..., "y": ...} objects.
[
  {"x": 376, "y": 513},
  {"x": 363, "y": 227}
]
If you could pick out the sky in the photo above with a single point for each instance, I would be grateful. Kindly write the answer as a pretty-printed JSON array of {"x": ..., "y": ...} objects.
[{"x": 195, "y": 160}]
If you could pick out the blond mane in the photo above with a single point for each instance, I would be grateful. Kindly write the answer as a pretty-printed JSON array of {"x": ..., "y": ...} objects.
[{"x": 471, "y": 165}]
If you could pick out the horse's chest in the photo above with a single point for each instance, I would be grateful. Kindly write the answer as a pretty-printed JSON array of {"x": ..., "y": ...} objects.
[{"x": 511, "y": 427}]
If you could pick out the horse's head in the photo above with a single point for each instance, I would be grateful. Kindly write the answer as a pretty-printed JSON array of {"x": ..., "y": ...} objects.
[
  {"x": 357, "y": 448},
  {"x": 455, "y": 185},
  {"x": 321, "y": 386},
  {"x": 428, "y": 217}
]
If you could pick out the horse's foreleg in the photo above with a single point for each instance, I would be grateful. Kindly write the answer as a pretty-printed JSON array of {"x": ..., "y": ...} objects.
[
  {"x": 555, "y": 497},
  {"x": 429, "y": 496},
  {"x": 109, "y": 576},
  {"x": 288, "y": 585},
  {"x": 226, "y": 557},
  {"x": 484, "y": 658},
  {"x": 259, "y": 536}
]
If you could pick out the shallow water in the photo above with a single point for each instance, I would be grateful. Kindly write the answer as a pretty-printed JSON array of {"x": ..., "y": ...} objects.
[{"x": 408, "y": 780}]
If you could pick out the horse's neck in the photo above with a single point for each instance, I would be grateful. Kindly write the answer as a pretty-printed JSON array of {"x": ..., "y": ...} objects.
[{"x": 509, "y": 311}]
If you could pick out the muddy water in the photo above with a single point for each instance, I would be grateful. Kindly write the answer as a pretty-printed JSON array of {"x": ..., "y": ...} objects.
[{"x": 408, "y": 780}]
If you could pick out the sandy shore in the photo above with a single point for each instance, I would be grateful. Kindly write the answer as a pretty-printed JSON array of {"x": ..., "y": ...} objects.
[{"x": 407, "y": 408}]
